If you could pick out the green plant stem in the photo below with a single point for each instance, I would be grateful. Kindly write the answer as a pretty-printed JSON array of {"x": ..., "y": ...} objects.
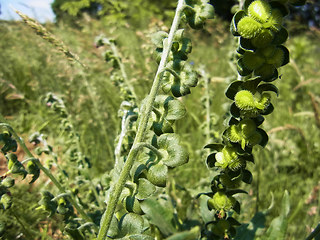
[
  {"x": 315, "y": 233},
  {"x": 115, "y": 51},
  {"x": 144, "y": 117},
  {"x": 47, "y": 172}
]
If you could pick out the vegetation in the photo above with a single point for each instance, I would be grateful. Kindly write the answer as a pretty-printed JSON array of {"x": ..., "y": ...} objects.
[{"x": 61, "y": 101}]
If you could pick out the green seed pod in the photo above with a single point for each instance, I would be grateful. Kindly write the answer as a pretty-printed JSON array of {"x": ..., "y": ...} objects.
[
  {"x": 254, "y": 139},
  {"x": 263, "y": 102},
  {"x": 248, "y": 27},
  {"x": 277, "y": 58},
  {"x": 248, "y": 127},
  {"x": 229, "y": 182},
  {"x": 276, "y": 20},
  {"x": 266, "y": 71},
  {"x": 259, "y": 10},
  {"x": 220, "y": 201},
  {"x": 252, "y": 60},
  {"x": 244, "y": 100},
  {"x": 233, "y": 134},
  {"x": 267, "y": 52},
  {"x": 263, "y": 39},
  {"x": 8, "y": 182}
]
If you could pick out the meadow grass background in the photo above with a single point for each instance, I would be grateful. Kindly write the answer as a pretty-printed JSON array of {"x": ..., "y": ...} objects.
[{"x": 30, "y": 68}]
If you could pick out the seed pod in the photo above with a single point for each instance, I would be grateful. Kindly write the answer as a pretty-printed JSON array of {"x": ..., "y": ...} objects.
[
  {"x": 220, "y": 201},
  {"x": 244, "y": 100},
  {"x": 263, "y": 39},
  {"x": 252, "y": 60},
  {"x": 259, "y": 10},
  {"x": 248, "y": 27}
]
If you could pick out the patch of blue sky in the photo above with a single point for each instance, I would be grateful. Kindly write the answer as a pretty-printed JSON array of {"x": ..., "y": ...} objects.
[{"x": 37, "y": 9}]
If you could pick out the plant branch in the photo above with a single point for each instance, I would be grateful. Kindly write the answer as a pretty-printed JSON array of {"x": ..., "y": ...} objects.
[
  {"x": 46, "y": 172},
  {"x": 115, "y": 194}
]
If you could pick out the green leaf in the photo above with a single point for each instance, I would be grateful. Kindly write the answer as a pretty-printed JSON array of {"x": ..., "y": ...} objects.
[
  {"x": 264, "y": 137},
  {"x": 192, "y": 234},
  {"x": 234, "y": 110},
  {"x": 233, "y": 88},
  {"x": 136, "y": 237},
  {"x": 268, "y": 87},
  {"x": 159, "y": 215},
  {"x": 158, "y": 37},
  {"x": 33, "y": 169},
  {"x": 280, "y": 37},
  {"x": 15, "y": 166},
  {"x": 175, "y": 109},
  {"x": 145, "y": 189},
  {"x": 205, "y": 213},
  {"x": 131, "y": 223},
  {"x": 157, "y": 174},
  {"x": 176, "y": 154},
  {"x": 279, "y": 225},
  {"x": 236, "y": 18},
  {"x": 248, "y": 231},
  {"x": 215, "y": 146}
]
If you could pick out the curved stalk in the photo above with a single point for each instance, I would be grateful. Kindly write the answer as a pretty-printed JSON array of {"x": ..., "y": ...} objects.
[{"x": 107, "y": 216}]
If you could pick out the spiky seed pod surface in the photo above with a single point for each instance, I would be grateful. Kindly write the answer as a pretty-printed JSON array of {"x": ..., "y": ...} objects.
[
  {"x": 220, "y": 201},
  {"x": 244, "y": 100},
  {"x": 259, "y": 10},
  {"x": 263, "y": 39},
  {"x": 248, "y": 27}
]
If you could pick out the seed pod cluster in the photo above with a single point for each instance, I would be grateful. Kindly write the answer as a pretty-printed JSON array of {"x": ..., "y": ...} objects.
[{"x": 259, "y": 55}]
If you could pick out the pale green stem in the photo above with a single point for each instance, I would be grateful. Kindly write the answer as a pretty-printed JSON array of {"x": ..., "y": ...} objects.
[
  {"x": 174, "y": 73},
  {"x": 144, "y": 117},
  {"x": 115, "y": 51},
  {"x": 47, "y": 172}
]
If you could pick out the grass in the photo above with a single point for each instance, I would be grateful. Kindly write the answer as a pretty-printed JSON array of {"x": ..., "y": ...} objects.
[{"x": 29, "y": 68}]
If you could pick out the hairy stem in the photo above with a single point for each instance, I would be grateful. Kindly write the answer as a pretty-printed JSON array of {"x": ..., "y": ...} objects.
[{"x": 144, "y": 117}]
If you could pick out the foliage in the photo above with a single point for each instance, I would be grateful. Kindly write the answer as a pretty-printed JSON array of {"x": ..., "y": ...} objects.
[{"x": 70, "y": 132}]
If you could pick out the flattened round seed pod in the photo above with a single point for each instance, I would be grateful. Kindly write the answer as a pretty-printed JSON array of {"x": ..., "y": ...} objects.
[
  {"x": 252, "y": 60},
  {"x": 248, "y": 27},
  {"x": 244, "y": 100},
  {"x": 260, "y": 10},
  {"x": 263, "y": 39}
]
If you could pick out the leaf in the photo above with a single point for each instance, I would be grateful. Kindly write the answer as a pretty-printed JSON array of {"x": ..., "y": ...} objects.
[
  {"x": 175, "y": 109},
  {"x": 159, "y": 215},
  {"x": 177, "y": 155},
  {"x": 279, "y": 225},
  {"x": 136, "y": 237},
  {"x": 158, "y": 37},
  {"x": 233, "y": 88},
  {"x": 268, "y": 87},
  {"x": 192, "y": 234},
  {"x": 157, "y": 174},
  {"x": 205, "y": 213},
  {"x": 236, "y": 18},
  {"x": 131, "y": 223},
  {"x": 145, "y": 189},
  {"x": 249, "y": 230}
]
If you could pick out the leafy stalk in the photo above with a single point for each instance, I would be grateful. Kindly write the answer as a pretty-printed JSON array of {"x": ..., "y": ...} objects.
[
  {"x": 46, "y": 172},
  {"x": 107, "y": 217}
]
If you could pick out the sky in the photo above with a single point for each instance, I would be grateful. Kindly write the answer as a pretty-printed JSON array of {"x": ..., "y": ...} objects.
[{"x": 38, "y": 9}]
